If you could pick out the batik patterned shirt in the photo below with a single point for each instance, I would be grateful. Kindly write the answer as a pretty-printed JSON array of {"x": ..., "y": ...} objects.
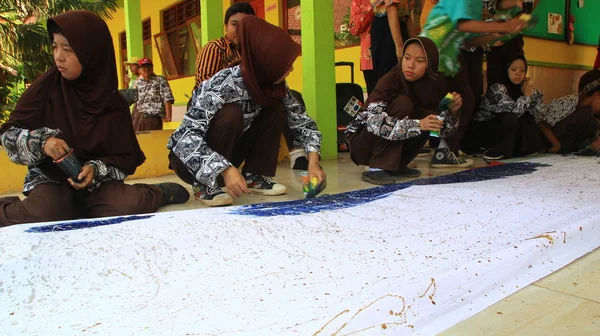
[
  {"x": 188, "y": 142},
  {"x": 497, "y": 101},
  {"x": 153, "y": 94},
  {"x": 25, "y": 147},
  {"x": 558, "y": 109},
  {"x": 377, "y": 122}
]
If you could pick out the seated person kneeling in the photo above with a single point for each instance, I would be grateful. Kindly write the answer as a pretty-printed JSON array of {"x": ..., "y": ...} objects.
[
  {"x": 505, "y": 123},
  {"x": 75, "y": 109},
  {"x": 570, "y": 123},
  {"x": 237, "y": 116},
  {"x": 395, "y": 121}
]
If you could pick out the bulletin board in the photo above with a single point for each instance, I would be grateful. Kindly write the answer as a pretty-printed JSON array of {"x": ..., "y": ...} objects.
[
  {"x": 587, "y": 27},
  {"x": 542, "y": 10}
]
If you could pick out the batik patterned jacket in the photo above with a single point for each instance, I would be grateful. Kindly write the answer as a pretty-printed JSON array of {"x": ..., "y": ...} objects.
[
  {"x": 25, "y": 147},
  {"x": 188, "y": 142},
  {"x": 379, "y": 123},
  {"x": 497, "y": 100},
  {"x": 558, "y": 109}
]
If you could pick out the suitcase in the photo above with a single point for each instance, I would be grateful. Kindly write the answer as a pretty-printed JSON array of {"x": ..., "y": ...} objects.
[{"x": 349, "y": 99}]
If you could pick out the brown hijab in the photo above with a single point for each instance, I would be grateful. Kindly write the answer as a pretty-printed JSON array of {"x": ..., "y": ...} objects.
[
  {"x": 425, "y": 93},
  {"x": 267, "y": 54},
  {"x": 93, "y": 118}
]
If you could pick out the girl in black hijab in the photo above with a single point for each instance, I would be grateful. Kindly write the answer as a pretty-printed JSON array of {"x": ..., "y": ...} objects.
[
  {"x": 505, "y": 126},
  {"x": 399, "y": 114}
]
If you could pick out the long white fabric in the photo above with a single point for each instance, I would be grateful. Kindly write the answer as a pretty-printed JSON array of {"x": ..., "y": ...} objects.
[{"x": 412, "y": 263}]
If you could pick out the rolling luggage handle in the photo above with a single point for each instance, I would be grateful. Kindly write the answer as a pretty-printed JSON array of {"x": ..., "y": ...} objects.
[{"x": 351, "y": 65}]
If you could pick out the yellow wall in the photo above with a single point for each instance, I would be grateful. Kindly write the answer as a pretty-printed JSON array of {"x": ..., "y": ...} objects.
[
  {"x": 152, "y": 9},
  {"x": 559, "y": 52},
  {"x": 12, "y": 175}
]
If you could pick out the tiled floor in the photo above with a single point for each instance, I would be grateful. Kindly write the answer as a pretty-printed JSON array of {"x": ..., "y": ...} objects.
[{"x": 566, "y": 302}]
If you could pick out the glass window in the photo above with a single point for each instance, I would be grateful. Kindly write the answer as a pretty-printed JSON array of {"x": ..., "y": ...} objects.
[
  {"x": 147, "y": 37},
  {"x": 177, "y": 45}
]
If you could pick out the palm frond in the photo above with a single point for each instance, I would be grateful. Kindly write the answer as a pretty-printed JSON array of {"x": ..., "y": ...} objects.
[
  {"x": 104, "y": 8},
  {"x": 23, "y": 36}
]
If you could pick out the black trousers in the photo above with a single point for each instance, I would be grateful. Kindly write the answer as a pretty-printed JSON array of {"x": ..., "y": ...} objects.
[
  {"x": 383, "y": 49},
  {"x": 506, "y": 134}
]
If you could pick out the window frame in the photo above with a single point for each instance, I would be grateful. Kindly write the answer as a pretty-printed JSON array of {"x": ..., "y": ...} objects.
[
  {"x": 182, "y": 19},
  {"x": 147, "y": 36}
]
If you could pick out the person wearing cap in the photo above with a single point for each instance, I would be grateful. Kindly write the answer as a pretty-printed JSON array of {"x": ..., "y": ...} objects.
[
  {"x": 569, "y": 123},
  {"x": 130, "y": 92},
  {"x": 155, "y": 99},
  {"x": 134, "y": 69}
]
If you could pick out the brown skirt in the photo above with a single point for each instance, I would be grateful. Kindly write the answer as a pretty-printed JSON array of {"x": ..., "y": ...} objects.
[
  {"x": 52, "y": 202},
  {"x": 147, "y": 122}
]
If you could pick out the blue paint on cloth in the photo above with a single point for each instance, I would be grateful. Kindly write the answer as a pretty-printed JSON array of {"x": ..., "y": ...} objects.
[
  {"x": 358, "y": 197},
  {"x": 76, "y": 225},
  {"x": 327, "y": 202}
]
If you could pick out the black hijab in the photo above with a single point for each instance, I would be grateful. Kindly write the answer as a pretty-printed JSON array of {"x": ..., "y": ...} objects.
[{"x": 514, "y": 90}]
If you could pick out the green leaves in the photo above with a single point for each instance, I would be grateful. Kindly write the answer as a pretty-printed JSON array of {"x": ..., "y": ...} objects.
[
  {"x": 23, "y": 37},
  {"x": 24, "y": 42}
]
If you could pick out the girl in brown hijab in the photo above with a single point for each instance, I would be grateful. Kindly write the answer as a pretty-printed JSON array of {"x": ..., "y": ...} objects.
[
  {"x": 397, "y": 117},
  {"x": 74, "y": 109},
  {"x": 237, "y": 116}
]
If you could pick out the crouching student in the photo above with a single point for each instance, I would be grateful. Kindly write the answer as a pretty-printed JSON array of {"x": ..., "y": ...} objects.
[
  {"x": 398, "y": 116},
  {"x": 224, "y": 53},
  {"x": 237, "y": 116},
  {"x": 505, "y": 123},
  {"x": 74, "y": 109},
  {"x": 570, "y": 123}
]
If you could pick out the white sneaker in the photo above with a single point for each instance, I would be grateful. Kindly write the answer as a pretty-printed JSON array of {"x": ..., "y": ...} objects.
[{"x": 444, "y": 158}]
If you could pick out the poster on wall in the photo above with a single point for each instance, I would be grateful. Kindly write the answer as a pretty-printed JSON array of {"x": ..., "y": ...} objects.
[{"x": 555, "y": 24}]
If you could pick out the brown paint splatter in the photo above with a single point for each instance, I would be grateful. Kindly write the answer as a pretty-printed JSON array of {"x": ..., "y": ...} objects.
[
  {"x": 360, "y": 311},
  {"x": 544, "y": 236},
  {"x": 90, "y": 327},
  {"x": 432, "y": 284},
  {"x": 326, "y": 324}
]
